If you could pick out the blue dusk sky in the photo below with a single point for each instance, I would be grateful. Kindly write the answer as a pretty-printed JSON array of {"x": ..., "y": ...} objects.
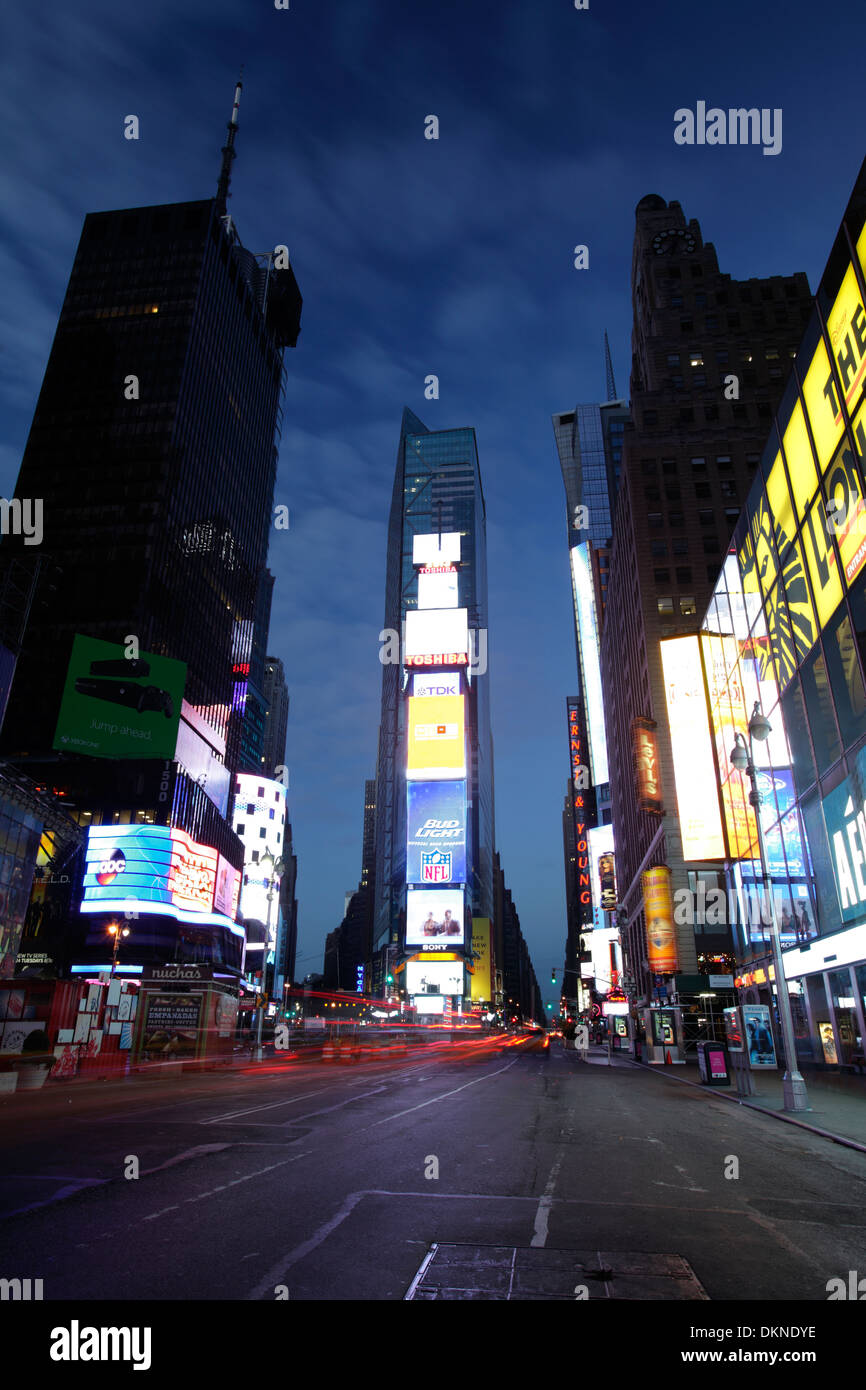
[{"x": 415, "y": 256}]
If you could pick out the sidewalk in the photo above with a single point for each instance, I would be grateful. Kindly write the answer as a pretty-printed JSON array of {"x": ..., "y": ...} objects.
[{"x": 838, "y": 1102}]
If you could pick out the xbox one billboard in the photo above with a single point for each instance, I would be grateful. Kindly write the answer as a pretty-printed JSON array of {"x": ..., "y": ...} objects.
[{"x": 116, "y": 706}]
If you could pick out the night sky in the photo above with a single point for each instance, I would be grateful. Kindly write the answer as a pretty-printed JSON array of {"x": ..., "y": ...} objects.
[{"x": 452, "y": 257}]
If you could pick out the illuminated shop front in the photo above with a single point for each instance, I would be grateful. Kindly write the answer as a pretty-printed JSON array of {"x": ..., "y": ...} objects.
[{"x": 787, "y": 627}]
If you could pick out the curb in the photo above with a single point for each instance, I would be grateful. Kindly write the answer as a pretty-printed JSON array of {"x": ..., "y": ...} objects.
[{"x": 757, "y": 1109}]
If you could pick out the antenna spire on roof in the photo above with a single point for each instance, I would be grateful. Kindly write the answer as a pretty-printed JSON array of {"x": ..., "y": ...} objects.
[
  {"x": 608, "y": 370},
  {"x": 228, "y": 150}
]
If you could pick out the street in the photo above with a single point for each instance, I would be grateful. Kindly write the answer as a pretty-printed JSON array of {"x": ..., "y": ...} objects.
[{"x": 487, "y": 1172}]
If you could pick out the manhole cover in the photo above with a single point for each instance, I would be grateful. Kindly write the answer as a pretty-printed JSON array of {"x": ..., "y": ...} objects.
[{"x": 504, "y": 1272}]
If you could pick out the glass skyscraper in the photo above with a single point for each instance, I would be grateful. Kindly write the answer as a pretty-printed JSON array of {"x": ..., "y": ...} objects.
[{"x": 437, "y": 487}]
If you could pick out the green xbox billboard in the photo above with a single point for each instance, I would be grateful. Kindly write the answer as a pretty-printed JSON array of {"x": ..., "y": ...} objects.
[{"x": 115, "y": 706}]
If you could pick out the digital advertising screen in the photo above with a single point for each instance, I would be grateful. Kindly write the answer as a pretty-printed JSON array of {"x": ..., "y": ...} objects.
[
  {"x": 435, "y": 917},
  {"x": 150, "y": 869},
  {"x": 425, "y": 687},
  {"x": 117, "y": 707},
  {"x": 434, "y": 977},
  {"x": 437, "y": 587},
  {"x": 435, "y": 832},
  {"x": 428, "y": 1003},
  {"x": 659, "y": 916},
  {"x": 437, "y": 632},
  {"x": 437, "y": 548},
  {"x": 436, "y": 738},
  {"x": 480, "y": 984},
  {"x": 587, "y": 635},
  {"x": 691, "y": 744}
]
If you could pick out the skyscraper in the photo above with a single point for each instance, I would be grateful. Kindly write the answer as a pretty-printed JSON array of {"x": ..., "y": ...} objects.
[
  {"x": 276, "y": 694},
  {"x": 709, "y": 360},
  {"x": 153, "y": 447},
  {"x": 437, "y": 490}
]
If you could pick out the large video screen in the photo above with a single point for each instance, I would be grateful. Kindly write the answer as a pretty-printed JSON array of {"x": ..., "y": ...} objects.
[
  {"x": 437, "y": 738},
  {"x": 436, "y": 548},
  {"x": 436, "y": 832},
  {"x": 434, "y": 977},
  {"x": 435, "y": 917},
  {"x": 437, "y": 632},
  {"x": 156, "y": 869},
  {"x": 119, "y": 707}
]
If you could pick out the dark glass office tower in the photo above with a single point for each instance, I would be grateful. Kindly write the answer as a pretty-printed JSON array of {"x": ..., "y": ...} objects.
[
  {"x": 437, "y": 486},
  {"x": 153, "y": 447}
]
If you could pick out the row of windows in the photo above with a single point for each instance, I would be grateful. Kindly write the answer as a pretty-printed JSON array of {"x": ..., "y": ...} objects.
[
  {"x": 746, "y": 295},
  {"x": 686, "y": 606},
  {"x": 686, "y": 414}
]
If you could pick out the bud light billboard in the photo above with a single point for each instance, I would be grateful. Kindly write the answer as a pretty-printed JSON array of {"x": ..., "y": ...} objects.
[{"x": 435, "y": 833}]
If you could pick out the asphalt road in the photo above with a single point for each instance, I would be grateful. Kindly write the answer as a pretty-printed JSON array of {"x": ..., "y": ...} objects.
[{"x": 505, "y": 1172}]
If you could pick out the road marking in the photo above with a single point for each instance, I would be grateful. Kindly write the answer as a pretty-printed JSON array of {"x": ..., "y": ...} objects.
[
  {"x": 445, "y": 1095},
  {"x": 265, "y": 1287},
  {"x": 545, "y": 1202},
  {"x": 271, "y": 1105},
  {"x": 73, "y": 1186},
  {"x": 223, "y": 1187},
  {"x": 187, "y": 1153}
]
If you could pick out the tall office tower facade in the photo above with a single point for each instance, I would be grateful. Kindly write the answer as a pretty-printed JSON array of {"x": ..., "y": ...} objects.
[
  {"x": 276, "y": 693},
  {"x": 153, "y": 445},
  {"x": 710, "y": 356},
  {"x": 349, "y": 949},
  {"x": 437, "y": 494},
  {"x": 589, "y": 442},
  {"x": 249, "y": 698}
]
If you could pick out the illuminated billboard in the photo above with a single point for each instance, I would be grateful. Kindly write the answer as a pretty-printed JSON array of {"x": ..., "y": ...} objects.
[
  {"x": 587, "y": 636},
  {"x": 434, "y": 917},
  {"x": 692, "y": 750},
  {"x": 435, "y": 832},
  {"x": 436, "y": 632},
  {"x": 447, "y": 683},
  {"x": 151, "y": 869},
  {"x": 480, "y": 984},
  {"x": 438, "y": 548},
  {"x": 434, "y": 977},
  {"x": 437, "y": 587},
  {"x": 646, "y": 765},
  {"x": 119, "y": 707},
  {"x": 260, "y": 822},
  {"x": 436, "y": 738},
  {"x": 583, "y": 811},
  {"x": 659, "y": 915}
]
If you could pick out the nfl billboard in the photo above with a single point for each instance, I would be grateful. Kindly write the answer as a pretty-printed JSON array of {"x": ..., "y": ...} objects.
[
  {"x": 436, "y": 833},
  {"x": 434, "y": 917}
]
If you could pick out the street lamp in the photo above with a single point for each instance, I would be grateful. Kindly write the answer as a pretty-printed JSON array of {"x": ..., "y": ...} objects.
[
  {"x": 272, "y": 868},
  {"x": 742, "y": 758},
  {"x": 116, "y": 932}
]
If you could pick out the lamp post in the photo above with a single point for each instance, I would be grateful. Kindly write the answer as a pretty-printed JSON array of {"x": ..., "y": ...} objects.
[
  {"x": 742, "y": 758},
  {"x": 272, "y": 867},
  {"x": 116, "y": 933}
]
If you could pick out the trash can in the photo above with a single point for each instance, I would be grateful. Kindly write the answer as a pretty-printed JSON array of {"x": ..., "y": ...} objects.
[{"x": 713, "y": 1064}]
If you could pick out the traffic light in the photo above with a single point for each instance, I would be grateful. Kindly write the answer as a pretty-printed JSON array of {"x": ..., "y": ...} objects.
[
  {"x": 549, "y": 1006},
  {"x": 389, "y": 979},
  {"x": 553, "y": 974}
]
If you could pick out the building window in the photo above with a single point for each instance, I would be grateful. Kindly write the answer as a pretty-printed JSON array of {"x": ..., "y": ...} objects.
[
  {"x": 673, "y": 359},
  {"x": 684, "y": 574},
  {"x": 700, "y": 299},
  {"x": 687, "y": 415},
  {"x": 722, "y": 356},
  {"x": 251, "y": 808},
  {"x": 655, "y": 519},
  {"x": 712, "y": 573},
  {"x": 652, "y": 494},
  {"x": 772, "y": 354},
  {"x": 732, "y": 515},
  {"x": 752, "y": 460},
  {"x": 711, "y": 412},
  {"x": 666, "y": 607},
  {"x": 702, "y": 490},
  {"x": 650, "y": 417},
  {"x": 676, "y": 301},
  {"x": 648, "y": 465},
  {"x": 729, "y": 487},
  {"x": 658, "y": 549},
  {"x": 699, "y": 379},
  {"x": 669, "y": 465},
  {"x": 711, "y": 545},
  {"x": 687, "y": 605},
  {"x": 677, "y": 382},
  {"x": 675, "y": 519},
  {"x": 723, "y": 463},
  {"x": 662, "y": 576},
  {"x": 239, "y": 829},
  {"x": 687, "y": 325},
  {"x": 733, "y": 320},
  {"x": 262, "y": 833},
  {"x": 711, "y": 323},
  {"x": 696, "y": 358},
  {"x": 680, "y": 545},
  {"x": 672, "y": 492}
]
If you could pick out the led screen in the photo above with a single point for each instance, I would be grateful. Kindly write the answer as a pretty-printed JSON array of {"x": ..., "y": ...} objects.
[
  {"x": 587, "y": 634},
  {"x": 150, "y": 868},
  {"x": 436, "y": 832},
  {"x": 437, "y": 587},
  {"x": 440, "y": 548},
  {"x": 437, "y": 632},
  {"x": 440, "y": 683},
  {"x": 691, "y": 745},
  {"x": 434, "y": 916},
  {"x": 434, "y": 977},
  {"x": 437, "y": 738},
  {"x": 119, "y": 707}
]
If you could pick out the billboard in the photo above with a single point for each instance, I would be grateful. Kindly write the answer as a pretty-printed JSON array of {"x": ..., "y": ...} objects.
[
  {"x": 646, "y": 765},
  {"x": 437, "y": 587},
  {"x": 434, "y": 917},
  {"x": 587, "y": 636},
  {"x": 438, "y": 548},
  {"x": 436, "y": 738},
  {"x": 151, "y": 869},
  {"x": 583, "y": 811},
  {"x": 659, "y": 916},
  {"x": 442, "y": 683},
  {"x": 845, "y": 818},
  {"x": 115, "y": 707},
  {"x": 759, "y": 1035},
  {"x": 607, "y": 882},
  {"x": 480, "y": 984},
  {"x": 692, "y": 749},
  {"x": 228, "y": 888},
  {"x": 428, "y": 1003},
  {"x": 436, "y": 632},
  {"x": 200, "y": 751},
  {"x": 436, "y": 832},
  {"x": 434, "y": 977}
]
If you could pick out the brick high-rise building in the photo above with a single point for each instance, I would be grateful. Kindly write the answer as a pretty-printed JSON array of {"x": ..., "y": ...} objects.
[{"x": 710, "y": 357}]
